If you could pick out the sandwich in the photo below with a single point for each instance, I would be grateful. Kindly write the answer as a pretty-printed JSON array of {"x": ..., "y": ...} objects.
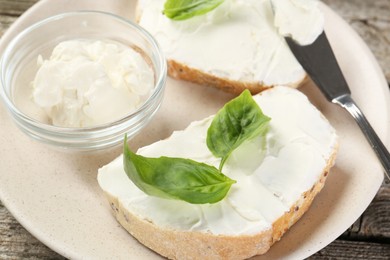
[
  {"x": 228, "y": 186},
  {"x": 237, "y": 45}
]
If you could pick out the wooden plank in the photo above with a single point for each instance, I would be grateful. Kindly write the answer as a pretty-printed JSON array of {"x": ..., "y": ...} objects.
[
  {"x": 15, "y": 7},
  {"x": 371, "y": 20},
  {"x": 5, "y": 22},
  {"x": 376, "y": 219},
  {"x": 374, "y": 224},
  {"x": 10, "y": 10},
  {"x": 340, "y": 249},
  {"x": 17, "y": 243}
]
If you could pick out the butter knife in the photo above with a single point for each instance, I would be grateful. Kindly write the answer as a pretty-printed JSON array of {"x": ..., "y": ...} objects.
[{"x": 321, "y": 65}]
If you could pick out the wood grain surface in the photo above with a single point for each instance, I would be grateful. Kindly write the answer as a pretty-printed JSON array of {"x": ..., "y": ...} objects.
[{"x": 367, "y": 238}]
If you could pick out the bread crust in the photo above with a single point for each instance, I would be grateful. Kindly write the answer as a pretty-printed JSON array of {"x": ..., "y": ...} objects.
[
  {"x": 181, "y": 71},
  {"x": 178, "y": 70},
  {"x": 178, "y": 244}
]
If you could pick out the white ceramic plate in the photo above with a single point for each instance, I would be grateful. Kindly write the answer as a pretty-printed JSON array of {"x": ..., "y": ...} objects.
[{"x": 56, "y": 197}]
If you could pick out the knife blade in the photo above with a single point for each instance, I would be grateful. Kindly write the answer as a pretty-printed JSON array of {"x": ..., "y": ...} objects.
[{"x": 320, "y": 63}]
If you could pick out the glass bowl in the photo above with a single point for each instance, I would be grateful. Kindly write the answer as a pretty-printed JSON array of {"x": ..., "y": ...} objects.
[{"x": 18, "y": 67}]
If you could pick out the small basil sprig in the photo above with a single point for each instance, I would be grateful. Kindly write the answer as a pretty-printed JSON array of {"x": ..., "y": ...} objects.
[
  {"x": 185, "y": 9},
  {"x": 240, "y": 119},
  {"x": 176, "y": 178}
]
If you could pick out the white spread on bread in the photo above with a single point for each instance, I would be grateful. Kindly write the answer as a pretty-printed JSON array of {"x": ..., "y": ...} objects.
[
  {"x": 300, "y": 19},
  {"x": 237, "y": 41},
  {"x": 271, "y": 174},
  {"x": 91, "y": 82}
]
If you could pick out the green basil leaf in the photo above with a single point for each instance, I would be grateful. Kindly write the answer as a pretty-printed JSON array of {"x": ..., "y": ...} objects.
[
  {"x": 176, "y": 178},
  {"x": 239, "y": 120},
  {"x": 185, "y": 9}
]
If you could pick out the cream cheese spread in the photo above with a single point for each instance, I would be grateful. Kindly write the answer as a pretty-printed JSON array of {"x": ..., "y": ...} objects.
[
  {"x": 91, "y": 82},
  {"x": 300, "y": 19},
  {"x": 238, "y": 40},
  {"x": 297, "y": 147}
]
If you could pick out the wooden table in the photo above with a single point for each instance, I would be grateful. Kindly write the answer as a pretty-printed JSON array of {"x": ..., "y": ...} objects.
[{"x": 368, "y": 238}]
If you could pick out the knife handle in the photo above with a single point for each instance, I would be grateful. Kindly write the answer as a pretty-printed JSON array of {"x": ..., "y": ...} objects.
[{"x": 379, "y": 148}]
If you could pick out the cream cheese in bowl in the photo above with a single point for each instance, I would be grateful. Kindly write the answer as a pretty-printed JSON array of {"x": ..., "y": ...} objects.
[{"x": 87, "y": 82}]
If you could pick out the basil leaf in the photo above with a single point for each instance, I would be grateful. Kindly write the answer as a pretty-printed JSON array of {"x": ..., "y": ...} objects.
[
  {"x": 239, "y": 120},
  {"x": 185, "y": 9},
  {"x": 176, "y": 178}
]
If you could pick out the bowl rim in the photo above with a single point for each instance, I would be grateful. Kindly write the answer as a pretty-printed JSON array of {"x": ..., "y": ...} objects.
[{"x": 159, "y": 85}]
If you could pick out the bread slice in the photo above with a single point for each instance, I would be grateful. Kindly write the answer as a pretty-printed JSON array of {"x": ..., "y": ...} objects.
[
  {"x": 178, "y": 244},
  {"x": 281, "y": 188},
  {"x": 234, "y": 47}
]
